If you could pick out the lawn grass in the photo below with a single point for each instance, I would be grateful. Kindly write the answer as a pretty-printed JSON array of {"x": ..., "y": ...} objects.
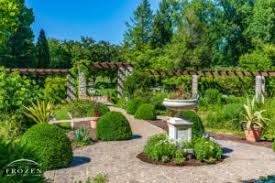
[{"x": 225, "y": 131}]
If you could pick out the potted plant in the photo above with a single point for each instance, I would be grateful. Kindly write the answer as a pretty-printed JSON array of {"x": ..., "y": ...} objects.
[
  {"x": 96, "y": 113},
  {"x": 254, "y": 122}
]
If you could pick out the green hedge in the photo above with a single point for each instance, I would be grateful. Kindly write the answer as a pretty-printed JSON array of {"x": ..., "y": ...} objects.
[
  {"x": 133, "y": 105},
  {"x": 80, "y": 108},
  {"x": 146, "y": 112},
  {"x": 113, "y": 126},
  {"x": 197, "y": 127},
  {"x": 9, "y": 152},
  {"x": 273, "y": 145},
  {"x": 50, "y": 145},
  {"x": 207, "y": 150}
]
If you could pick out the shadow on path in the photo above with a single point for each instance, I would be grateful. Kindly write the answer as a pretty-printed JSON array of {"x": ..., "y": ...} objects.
[
  {"x": 136, "y": 136},
  {"x": 226, "y": 150},
  {"x": 79, "y": 160}
]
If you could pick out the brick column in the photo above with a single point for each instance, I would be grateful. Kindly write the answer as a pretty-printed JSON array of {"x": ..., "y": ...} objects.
[
  {"x": 259, "y": 88},
  {"x": 82, "y": 84},
  {"x": 70, "y": 88},
  {"x": 195, "y": 86}
]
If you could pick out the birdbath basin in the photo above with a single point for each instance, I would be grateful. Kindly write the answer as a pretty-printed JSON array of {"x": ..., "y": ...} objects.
[{"x": 176, "y": 104}]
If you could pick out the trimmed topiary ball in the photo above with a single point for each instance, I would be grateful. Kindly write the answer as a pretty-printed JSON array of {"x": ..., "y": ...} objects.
[
  {"x": 50, "y": 144},
  {"x": 146, "y": 112},
  {"x": 197, "y": 127},
  {"x": 133, "y": 105},
  {"x": 113, "y": 126}
]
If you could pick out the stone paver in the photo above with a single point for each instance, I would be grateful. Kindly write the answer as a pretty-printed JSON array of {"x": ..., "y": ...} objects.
[{"x": 118, "y": 160}]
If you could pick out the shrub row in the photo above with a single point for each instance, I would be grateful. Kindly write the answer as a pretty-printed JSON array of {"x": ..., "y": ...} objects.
[{"x": 141, "y": 110}]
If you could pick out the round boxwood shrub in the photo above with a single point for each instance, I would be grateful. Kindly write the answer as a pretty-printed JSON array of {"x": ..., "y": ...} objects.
[
  {"x": 113, "y": 126},
  {"x": 50, "y": 144},
  {"x": 207, "y": 150},
  {"x": 133, "y": 105},
  {"x": 146, "y": 112},
  {"x": 197, "y": 127}
]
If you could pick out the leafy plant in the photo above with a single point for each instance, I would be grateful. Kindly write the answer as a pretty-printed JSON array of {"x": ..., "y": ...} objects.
[
  {"x": 50, "y": 144},
  {"x": 273, "y": 145},
  {"x": 55, "y": 89},
  {"x": 82, "y": 135},
  {"x": 159, "y": 147},
  {"x": 180, "y": 157},
  {"x": 207, "y": 150},
  {"x": 133, "y": 105},
  {"x": 16, "y": 91},
  {"x": 11, "y": 126},
  {"x": 252, "y": 116},
  {"x": 113, "y": 126},
  {"x": 100, "y": 178},
  {"x": 146, "y": 112},
  {"x": 39, "y": 112}
]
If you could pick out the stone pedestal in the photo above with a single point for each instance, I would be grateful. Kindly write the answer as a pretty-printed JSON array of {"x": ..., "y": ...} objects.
[{"x": 180, "y": 129}]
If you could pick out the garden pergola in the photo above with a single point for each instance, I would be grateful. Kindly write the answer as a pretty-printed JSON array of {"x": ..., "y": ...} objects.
[{"x": 125, "y": 69}]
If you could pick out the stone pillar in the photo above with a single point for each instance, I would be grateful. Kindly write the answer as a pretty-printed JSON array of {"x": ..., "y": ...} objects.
[
  {"x": 260, "y": 88},
  {"x": 82, "y": 84},
  {"x": 195, "y": 86},
  {"x": 91, "y": 85},
  {"x": 70, "y": 88},
  {"x": 120, "y": 79}
]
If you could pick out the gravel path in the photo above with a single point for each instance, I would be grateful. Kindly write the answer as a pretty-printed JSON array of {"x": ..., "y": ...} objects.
[{"x": 118, "y": 160}]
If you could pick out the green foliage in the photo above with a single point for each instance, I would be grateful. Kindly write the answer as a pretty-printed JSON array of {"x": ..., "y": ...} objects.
[
  {"x": 180, "y": 157},
  {"x": 100, "y": 178},
  {"x": 113, "y": 126},
  {"x": 55, "y": 89},
  {"x": 197, "y": 127},
  {"x": 11, "y": 151},
  {"x": 39, "y": 112},
  {"x": 212, "y": 96},
  {"x": 81, "y": 135},
  {"x": 11, "y": 126},
  {"x": 83, "y": 108},
  {"x": 133, "y": 105},
  {"x": 122, "y": 103},
  {"x": 206, "y": 150},
  {"x": 43, "y": 54},
  {"x": 50, "y": 144},
  {"x": 146, "y": 112},
  {"x": 273, "y": 145},
  {"x": 16, "y": 91},
  {"x": 252, "y": 116},
  {"x": 159, "y": 148}
]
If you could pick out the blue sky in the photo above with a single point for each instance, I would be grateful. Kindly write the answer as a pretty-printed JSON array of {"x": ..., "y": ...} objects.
[{"x": 70, "y": 19}]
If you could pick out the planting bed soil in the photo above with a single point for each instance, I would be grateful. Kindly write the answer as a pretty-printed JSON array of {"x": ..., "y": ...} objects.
[
  {"x": 219, "y": 136},
  {"x": 191, "y": 162}
]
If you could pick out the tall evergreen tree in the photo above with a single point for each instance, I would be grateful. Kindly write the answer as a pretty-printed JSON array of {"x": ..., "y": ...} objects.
[
  {"x": 43, "y": 54},
  {"x": 18, "y": 48},
  {"x": 163, "y": 23},
  {"x": 140, "y": 29}
]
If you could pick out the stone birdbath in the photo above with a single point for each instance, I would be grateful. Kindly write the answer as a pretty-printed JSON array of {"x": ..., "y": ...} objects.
[{"x": 179, "y": 129}]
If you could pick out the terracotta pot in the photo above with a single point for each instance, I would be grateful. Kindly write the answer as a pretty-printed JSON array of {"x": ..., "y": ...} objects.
[
  {"x": 253, "y": 135},
  {"x": 93, "y": 124}
]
